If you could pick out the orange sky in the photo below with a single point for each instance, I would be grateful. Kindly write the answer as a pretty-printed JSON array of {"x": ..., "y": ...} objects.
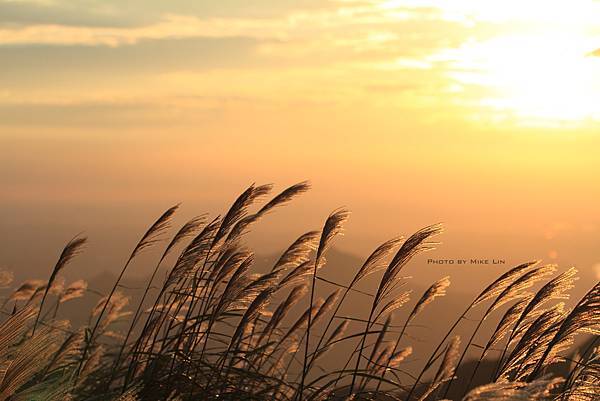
[{"x": 479, "y": 114}]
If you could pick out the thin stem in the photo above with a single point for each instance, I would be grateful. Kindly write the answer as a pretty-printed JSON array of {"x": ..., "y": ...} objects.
[{"x": 308, "y": 328}]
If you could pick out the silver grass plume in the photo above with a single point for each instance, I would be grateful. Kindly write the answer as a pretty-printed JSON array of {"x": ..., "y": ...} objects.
[
  {"x": 253, "y": 311},
  {"x": 583, "y": 318},
  {"x": 537, "y": 390},
  {"x": 297, "y": 274},
  {"x": 327, "y": 305},
  {"x": 397, "y": 302},
  {"x": 554, "y": 289},
  {"x": 26, "y": 290},
  {"x": 6, "y": 278},
  {"x": 333, "y": 226},
  {"x": 537, "y": 336},
  {"x": 415, "y": 244},
  {"x": 447, "y": 367},
  {"x": 500, "y": 284},
  {"x": 74, "y": 290},
  {"x": 189, "y": 229},
  {"x": 399, "y": 356},
  {"x": 68, "y": 351},
  {"x": 239, "y": 210},
  {"x": 195, "y": 251},
  {"x": 437, "y": 289},
  {"x": 509, "y": 318},
  {"x": 585, "y": 383},
  {"x": 71, "y": 250},
  {"x": 375, "y": 261},
  {"x": 299, "y": 251},
  {"x": 516, "y": 289},
  {"x": 284, "y": 197},
  {"x": 301, "y": 322},
  {"x": 31, "y": 357},
  {"x": 235, "y": 294},
  {"x": 156, "y": 230},
  {"x": 13, "y": 328},
  {"x": 152, "y": 236}
]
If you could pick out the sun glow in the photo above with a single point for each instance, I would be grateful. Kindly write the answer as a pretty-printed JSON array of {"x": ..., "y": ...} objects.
[
  {"x": 543, "y": 73},
  {"x": 541, "y": 77},
  {"x": 529, "y": 61}
]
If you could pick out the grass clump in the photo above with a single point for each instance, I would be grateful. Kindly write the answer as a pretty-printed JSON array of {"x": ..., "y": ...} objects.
[{"x": 214, "y": 328}]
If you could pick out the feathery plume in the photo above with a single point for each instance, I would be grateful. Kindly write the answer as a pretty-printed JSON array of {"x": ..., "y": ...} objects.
[
  {"x": 196, "y": 250},
  {"x": 299, "y": 251},
  {"x": 75, "y": 290},
  {"x": 537, "y": 336},
  {"x": 517, "y": 287},
  {"x": 284, "y": 197},
  {"x": 6, "y": 278},
  {"x": 30, "y": 358},
  {"x": 437, "y": 289},
  {"x": 14, "y": 327},
  {"x": 583, "y": 318},
  {"x": 332, "y": 227},
  {"x": 154, "y": 233},
  {"x": 500, "y": 284},
  {"x": 400, "y": 356},
  {"x": 447, "y": 367},
  {"x": 415, "y": 244},
  {"x": 375, "y": 261},
  {"x": 26, "y": 290},
  {"x": 239, "y": 209},
  {"x": 72, "y": 249},
  {"x": 554, "y": 289},
  {"x": 395, "y": 303},
  {"x": 538, "y": 390},
  {"x": 509, "y": 318},
  {"x": 187, "y": 230}
]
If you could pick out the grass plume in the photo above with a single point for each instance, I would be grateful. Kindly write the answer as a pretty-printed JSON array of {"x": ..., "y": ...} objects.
[{"x": 218, "y": 326}]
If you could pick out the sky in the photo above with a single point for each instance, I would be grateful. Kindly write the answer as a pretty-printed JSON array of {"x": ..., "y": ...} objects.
[{"x": 478, "y": 114}]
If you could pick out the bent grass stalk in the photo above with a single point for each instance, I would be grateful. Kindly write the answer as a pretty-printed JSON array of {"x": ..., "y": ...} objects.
[{"x": 210, "y": 330}]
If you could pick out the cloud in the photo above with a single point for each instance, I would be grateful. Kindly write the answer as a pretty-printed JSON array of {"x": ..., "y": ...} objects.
[
  {"x": 308, "y": 51},
  {"x": 23, "y": 13},
  {"x": 131, "y": 13},
  {"x": 108, "y": 113},
  {"x": 330, "y": 25},
  {"x": 99, "y": 68},
  {"x": 170, "y": 27}
]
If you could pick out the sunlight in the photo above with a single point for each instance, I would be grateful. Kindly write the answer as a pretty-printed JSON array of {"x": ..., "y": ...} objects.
[
  {"x": 535, "y": 68},
  {"x": 546, "y": 77}
]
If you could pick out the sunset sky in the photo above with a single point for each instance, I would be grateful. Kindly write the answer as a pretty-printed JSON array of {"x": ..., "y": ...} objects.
[{"x": 480, "y": 114}]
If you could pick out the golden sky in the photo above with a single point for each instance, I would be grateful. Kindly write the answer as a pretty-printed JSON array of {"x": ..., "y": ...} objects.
[{"x": 480, "y": 114}]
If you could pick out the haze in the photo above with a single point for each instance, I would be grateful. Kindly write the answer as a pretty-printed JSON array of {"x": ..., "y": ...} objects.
[{"x": 481, "y": 115}]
